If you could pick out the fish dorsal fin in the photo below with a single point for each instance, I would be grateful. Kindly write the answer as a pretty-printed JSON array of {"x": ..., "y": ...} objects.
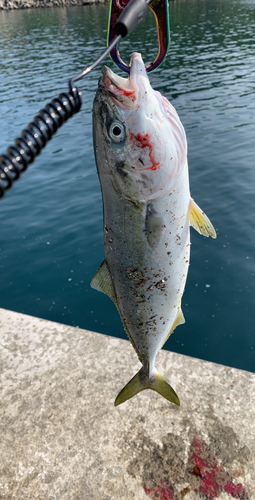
[
  {"x": 102, "y": 282},
  {"x": 200, "y": 221}
]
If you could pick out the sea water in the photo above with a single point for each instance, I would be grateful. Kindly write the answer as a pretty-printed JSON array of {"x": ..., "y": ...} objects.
[{"x": 51, "y": 226}]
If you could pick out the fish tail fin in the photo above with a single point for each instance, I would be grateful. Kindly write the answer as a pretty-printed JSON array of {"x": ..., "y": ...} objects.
[
  {"x": 142, "y": 381},
  {"x": 161, "y": 386}
]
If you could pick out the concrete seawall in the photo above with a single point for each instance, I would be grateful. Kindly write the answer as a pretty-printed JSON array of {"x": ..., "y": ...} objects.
[
  {"x": 26, "y": 4},
  {"x": 63, "y": 439}
]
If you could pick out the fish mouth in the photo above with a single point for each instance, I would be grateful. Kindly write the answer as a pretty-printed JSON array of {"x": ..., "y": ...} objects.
[
  {"x": 125, "y": 91},
  {"x": 118, "y": 89}
]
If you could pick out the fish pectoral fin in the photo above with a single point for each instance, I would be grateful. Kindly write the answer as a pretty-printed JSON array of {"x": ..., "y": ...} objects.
[
  {"x": 154, "y": 226},
  {"x": 102, "y": 282},
  {"x": 200, "y": 221},
  {"x": 141, "y": 381}
]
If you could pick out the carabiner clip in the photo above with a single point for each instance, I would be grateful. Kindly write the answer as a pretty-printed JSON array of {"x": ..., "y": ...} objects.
[{"x": 161, "y": 12}]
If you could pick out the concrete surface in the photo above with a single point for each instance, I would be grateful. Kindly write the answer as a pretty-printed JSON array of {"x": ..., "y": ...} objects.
[{"x": 62, "y": 437}]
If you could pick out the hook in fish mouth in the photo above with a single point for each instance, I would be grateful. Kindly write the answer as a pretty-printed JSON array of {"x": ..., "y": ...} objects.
[
  {"x": 129, "y": 92},
  {"x": 118, "y": 88}
]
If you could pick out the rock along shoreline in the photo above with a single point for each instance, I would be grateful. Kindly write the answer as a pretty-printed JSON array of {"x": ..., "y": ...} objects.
[{"x": 27, "y": 4}]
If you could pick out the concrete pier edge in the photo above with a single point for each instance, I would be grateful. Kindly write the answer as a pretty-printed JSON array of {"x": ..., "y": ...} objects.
[{"x": 62, "y": 437}]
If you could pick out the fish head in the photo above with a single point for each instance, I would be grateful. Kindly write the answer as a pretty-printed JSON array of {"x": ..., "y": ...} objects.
[{"x": 139, "y": 140}]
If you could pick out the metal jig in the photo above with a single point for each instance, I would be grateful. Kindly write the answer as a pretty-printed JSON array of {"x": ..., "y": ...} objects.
[{"x": 161, "y": 12}]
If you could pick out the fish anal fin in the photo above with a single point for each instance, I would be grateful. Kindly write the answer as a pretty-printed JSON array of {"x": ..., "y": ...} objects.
[
  {"x": 179, "y": 320},
  {"x": 102, "y": 282},
  {"x": 199, "y": 221},
  {"x": 141, "y": 381}
]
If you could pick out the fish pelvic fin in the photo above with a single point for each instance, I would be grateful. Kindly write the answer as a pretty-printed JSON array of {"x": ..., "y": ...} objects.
[
  {"x": 142, "y": 381},
  {"x": 199, "y": 221}
]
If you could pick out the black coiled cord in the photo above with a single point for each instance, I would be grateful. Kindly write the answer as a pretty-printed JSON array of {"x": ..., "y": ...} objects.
[
  {"x": 35, "y": 137},
  {"x": 40, "y": 131}
]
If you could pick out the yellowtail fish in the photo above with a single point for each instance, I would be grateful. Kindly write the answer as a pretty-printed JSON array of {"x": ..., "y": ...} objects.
[{"x": 141, "y": 154}]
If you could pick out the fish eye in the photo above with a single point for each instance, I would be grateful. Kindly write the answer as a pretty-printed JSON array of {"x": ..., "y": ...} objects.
[{"x": 117, "y": 131}]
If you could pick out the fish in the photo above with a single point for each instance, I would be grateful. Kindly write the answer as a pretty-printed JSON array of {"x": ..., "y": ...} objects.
[{"x": 141, "y": 155}]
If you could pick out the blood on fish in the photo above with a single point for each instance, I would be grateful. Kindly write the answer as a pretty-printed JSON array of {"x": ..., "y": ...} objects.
[
  {"x": 110, "y": 85},
  {"x": 127, "y": 93},
  {"x": 145, "y": 143}
]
